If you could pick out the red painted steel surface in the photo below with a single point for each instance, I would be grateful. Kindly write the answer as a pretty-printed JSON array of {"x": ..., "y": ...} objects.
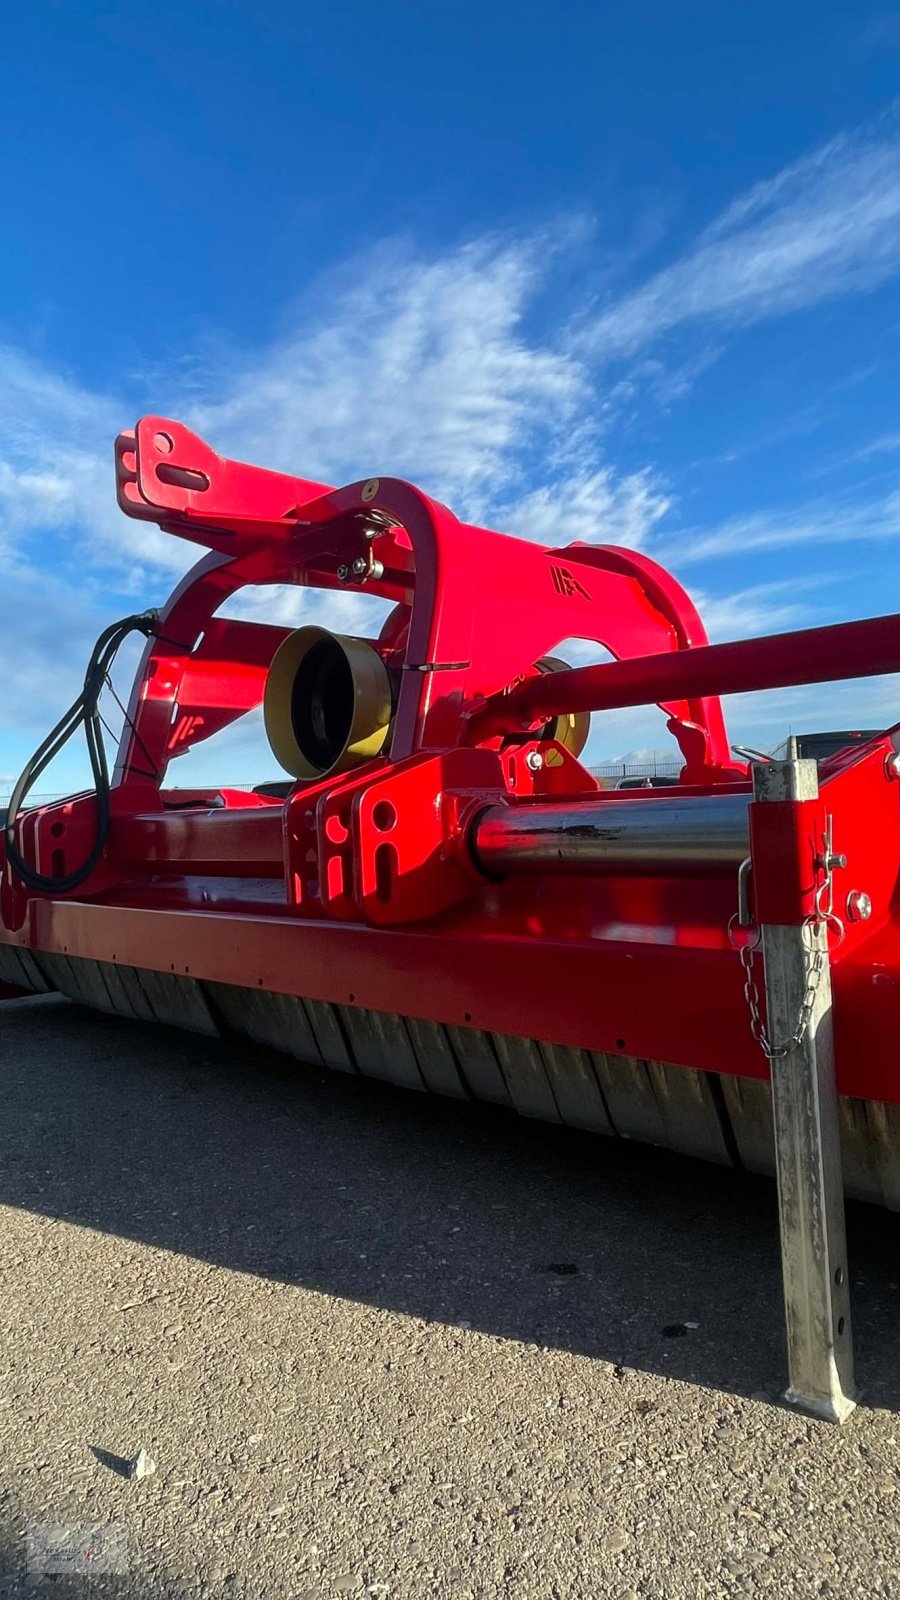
[
  {"x": 785, "y": 842},
  {"x": 362, "y": 889},
  {"x": 812, "y": 655}
]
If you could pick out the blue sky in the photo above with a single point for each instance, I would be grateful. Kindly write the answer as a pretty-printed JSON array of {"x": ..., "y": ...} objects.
[{"x": 624, "y": 271}]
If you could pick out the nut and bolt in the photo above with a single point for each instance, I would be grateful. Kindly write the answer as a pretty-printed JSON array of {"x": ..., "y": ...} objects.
[
  {"x": 859, "y": 906},
  {"x": 534, "y": 761},
  {"x": 361, "y": 568}
]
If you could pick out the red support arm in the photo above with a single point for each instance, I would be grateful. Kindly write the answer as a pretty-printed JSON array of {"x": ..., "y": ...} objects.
[{"x": 867, "y": 649}]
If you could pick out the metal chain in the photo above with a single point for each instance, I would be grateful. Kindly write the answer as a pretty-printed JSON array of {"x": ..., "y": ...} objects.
[
  {"x": 775, "y": 1052},
  {"x": 823, "y": 916}
]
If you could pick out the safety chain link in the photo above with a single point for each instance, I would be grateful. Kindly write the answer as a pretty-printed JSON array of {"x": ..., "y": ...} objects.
[
  {"x": 775, "y": 1052},
  {"x": 823, "y": 916}
]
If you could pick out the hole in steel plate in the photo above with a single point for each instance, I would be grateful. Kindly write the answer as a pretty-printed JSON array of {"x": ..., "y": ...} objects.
[
  {"x": 183, "y": 477},
  {"x": 384, "y": 816},
  {"x": 163, "y": 443},
  {"x": 385, "y": 862}
]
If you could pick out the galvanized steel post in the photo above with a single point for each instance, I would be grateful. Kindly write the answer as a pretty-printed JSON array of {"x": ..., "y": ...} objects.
[{"x": 807, "y": 1138}]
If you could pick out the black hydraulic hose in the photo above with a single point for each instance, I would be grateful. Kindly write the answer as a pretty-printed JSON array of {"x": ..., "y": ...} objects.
[{"x": 83, "y": 712}]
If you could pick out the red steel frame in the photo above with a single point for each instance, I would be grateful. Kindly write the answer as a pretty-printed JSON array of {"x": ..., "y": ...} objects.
[{"x": 362, "y": 889}]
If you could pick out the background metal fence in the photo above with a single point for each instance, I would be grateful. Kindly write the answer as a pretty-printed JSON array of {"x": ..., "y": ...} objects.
[
  {"x": 609, "y": 772},
  {"x": 614, "y": 770}
]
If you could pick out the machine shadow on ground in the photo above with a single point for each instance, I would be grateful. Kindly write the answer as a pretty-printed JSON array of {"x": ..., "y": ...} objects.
[{"x": 460, "y": 1214}]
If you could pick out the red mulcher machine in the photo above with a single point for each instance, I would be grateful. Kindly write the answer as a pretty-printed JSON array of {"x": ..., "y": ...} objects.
[{"x": 442, "y": 895}]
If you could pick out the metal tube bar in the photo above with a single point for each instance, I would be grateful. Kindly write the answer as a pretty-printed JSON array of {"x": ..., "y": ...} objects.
[
  {"x": 807, "y": 1143},
  {"x": 670, "y": 835},
  {"x": 866, "y": 649}
]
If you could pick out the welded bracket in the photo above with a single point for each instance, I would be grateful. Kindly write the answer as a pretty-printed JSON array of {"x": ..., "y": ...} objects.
[{"x": 805, "y": 1113}]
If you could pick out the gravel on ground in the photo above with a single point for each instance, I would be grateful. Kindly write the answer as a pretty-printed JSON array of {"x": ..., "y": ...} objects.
[{"x": 378, "y": 1344}]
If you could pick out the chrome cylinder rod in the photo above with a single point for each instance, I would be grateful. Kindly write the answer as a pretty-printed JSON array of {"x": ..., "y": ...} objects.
[{"x": 671, "y": 835}]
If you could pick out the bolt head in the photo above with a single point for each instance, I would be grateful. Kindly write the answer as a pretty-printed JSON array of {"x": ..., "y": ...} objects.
[
  {"x": 859, "y": 906},
  {"x": 534, "y": 761},
  {"x": 343, "y": 573}
]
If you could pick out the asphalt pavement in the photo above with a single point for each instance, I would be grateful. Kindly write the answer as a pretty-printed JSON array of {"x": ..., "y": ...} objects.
[{"x": 379, "y": 1344}]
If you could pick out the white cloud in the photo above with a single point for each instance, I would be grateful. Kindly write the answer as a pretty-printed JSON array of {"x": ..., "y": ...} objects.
[
  {"x": 416, "y": 368},
  {"x": 284, "y": 606},
  {"x": 887, "y": 444},
  {"x": 49, "y": 627},
  {"x": 35, "y": 400},
  {"x": 423, "y": 369},
  {"x": 401, "y": 365},
  {"x": 815, "y": 522},
  {"x": 29, "y": 498},
  {"x": 56, "y": 473},
  {"x": 826, "y": 225},
  {"x": 761, "y": 608},
  {"x": 429, "y": 367},
  {"x": 600, "y": 507}
]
